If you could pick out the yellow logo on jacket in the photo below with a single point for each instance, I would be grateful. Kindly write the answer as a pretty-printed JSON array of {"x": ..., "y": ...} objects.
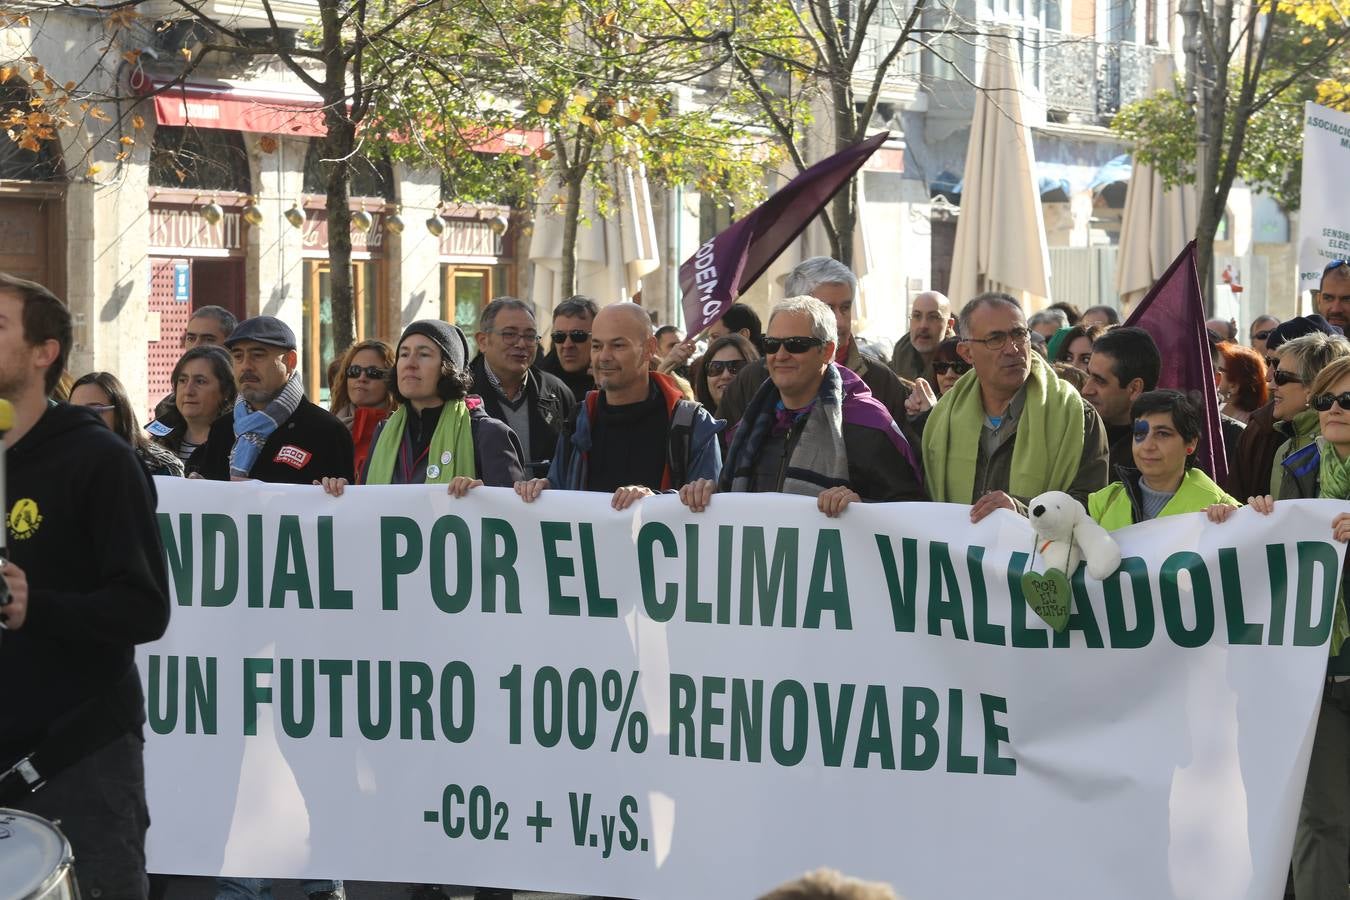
[{"x": 24, "y": 519}]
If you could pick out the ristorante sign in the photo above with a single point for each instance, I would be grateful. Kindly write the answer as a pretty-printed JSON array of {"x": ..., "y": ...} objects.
[{"x": 181, "y": 228}]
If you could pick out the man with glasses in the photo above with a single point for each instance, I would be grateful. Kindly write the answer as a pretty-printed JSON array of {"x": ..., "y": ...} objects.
[
  {"x": 569, "y": 355},
  {"x": 636, "y": 435},
  {"x": 535, "y": 404},
  {"x": 1015, "y": 430},
  {"x": 1125, "y": 364},
  {"x": 1333, "y": 295},
  {"x": 1260, "y": 331},
  {"x": 813, "y": 428},
  {"x": 930, "y": 323}
]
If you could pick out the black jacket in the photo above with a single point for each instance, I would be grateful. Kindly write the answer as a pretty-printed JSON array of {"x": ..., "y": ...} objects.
[
  {"x": 82, "y": 527},
  {"x": 549, "y": 401},
  {"x": 316, "y": 444},
  {"x": 496, "y": 451}
]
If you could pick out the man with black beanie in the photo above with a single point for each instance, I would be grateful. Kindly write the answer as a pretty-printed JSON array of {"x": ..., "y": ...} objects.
[{"x": 84, "y": 573}]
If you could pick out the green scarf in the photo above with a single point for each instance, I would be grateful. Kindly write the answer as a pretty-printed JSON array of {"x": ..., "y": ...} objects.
[
  {"x": 1049, "y": 440},
  {"x": 450, "y": 453},
  {"x": 1333, "y": 479}
]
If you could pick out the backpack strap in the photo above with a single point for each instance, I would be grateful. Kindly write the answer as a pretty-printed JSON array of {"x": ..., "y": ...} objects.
[{"x": 681, "y": 441}]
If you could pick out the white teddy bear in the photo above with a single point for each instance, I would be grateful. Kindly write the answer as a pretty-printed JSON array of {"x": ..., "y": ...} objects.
[{"x": 1066, "y": 535}]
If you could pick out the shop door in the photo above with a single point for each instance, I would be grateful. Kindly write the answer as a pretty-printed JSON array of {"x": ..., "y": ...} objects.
[
  {"x": 26, "y": 226},
  {"x": 219, "y": 282},
  {"x": 318, "y": 347}
]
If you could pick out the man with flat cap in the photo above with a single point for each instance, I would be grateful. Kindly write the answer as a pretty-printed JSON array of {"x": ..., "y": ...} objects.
[{"x": 274, "y": 433}]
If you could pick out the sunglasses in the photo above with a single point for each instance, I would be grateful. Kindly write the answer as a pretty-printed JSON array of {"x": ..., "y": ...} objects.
[
  {"x": 576, "y": 334},
  {"x": 942, "y": 368},
  {"x": 374, "y": 373},
  {"x": 1323, "y": 402},
  {"x": 793, "y": 344},
  {"x": 1282, "y": 377},
  {"x": 1334, "y": 265},
  {"x": 1261, "y": 335},
  {"x": 730, "y": 366}
]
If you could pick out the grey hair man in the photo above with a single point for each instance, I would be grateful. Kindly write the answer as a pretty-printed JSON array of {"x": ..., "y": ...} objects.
[
  {"x": 813, "y": 428},
  {"x": 930, "y": 323},
  {"x": 1047, "y": 322},
  {"x": 569, "y": 355},
  {"x": 535, "y": 404},
  {"x": 1016, "y": 430},
  {"x": 830, "y": 282}
]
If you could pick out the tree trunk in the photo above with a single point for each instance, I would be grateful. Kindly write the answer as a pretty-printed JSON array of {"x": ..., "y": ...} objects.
[
  {"x": 338, "y": 145},
  {"x": 844, "y": 206},
  {"x": 567, "y": 285}
]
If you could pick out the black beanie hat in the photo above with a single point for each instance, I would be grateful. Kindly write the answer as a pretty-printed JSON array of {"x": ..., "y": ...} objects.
[
  {"x": 454, "y": 345},
  {"x": 1297, "y": 328}
]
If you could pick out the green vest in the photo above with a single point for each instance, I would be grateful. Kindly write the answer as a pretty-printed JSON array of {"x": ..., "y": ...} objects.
[{"x": 1111, "y": 508}]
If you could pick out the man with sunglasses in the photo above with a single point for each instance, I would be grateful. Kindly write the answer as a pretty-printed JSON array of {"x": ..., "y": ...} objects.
[
  {"x": 1260, "y": 331},
  {"x": 813, "y": 428},
  {"x": 535, "y": 404},
  {"x": 1333, "y": 295},
  {"x": 1015, "y": 430},
  {"x": 569, "y": 355},
  {"x": 1125, "y": 364}
]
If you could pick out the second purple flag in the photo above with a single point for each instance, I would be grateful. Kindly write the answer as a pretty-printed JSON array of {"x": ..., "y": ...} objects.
[{"x": 715, "y": 276}]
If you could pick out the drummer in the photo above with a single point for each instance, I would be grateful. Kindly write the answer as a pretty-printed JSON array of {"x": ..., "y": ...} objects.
[{"x": 85, "y": 581}]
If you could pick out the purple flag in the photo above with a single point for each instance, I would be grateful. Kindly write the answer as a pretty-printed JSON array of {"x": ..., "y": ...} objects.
[
  {"x": 715, "y": 276},
  {"x": 1173, "y": 313}
]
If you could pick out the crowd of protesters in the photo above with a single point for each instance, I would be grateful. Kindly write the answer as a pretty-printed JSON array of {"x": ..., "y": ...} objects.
[{"x": 979, "y": 405}]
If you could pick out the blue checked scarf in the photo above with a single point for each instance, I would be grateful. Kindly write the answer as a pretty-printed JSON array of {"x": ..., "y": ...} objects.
[{"x": 252, "y": 427}]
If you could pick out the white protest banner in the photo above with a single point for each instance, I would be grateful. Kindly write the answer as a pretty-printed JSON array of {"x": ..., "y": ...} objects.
[
  {"x": 399, "y": 686},
  {"x": 1323, "y": 231}
]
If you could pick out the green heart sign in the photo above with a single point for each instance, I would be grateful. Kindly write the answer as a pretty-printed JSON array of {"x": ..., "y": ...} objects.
[{"x": 1049, "y": 595}]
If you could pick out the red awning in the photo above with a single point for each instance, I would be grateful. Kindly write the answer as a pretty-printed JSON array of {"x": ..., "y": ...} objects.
[
  {"x": 233, "y": 109},
  {"x": 262, "y": 111}
]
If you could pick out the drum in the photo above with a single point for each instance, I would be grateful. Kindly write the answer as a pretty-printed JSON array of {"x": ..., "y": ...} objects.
[{"x": 35, "y": 859}]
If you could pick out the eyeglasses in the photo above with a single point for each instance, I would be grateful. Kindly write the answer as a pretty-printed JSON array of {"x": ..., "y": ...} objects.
[
  {"x": 374, "y": 373},
  {"x": 1282, "y": 378},
  {"x": 1323, "y": 402},
  {"x": 731, "y": 366},
  {"x": 798, "y": 344},
  {"x": 997, "y": 340},
  {"x": 1261, "y": 335},
  {"x": 511, "y": 336},
  {"x": 942, "y": 368},
  {"x": 576, "y": 334}
]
